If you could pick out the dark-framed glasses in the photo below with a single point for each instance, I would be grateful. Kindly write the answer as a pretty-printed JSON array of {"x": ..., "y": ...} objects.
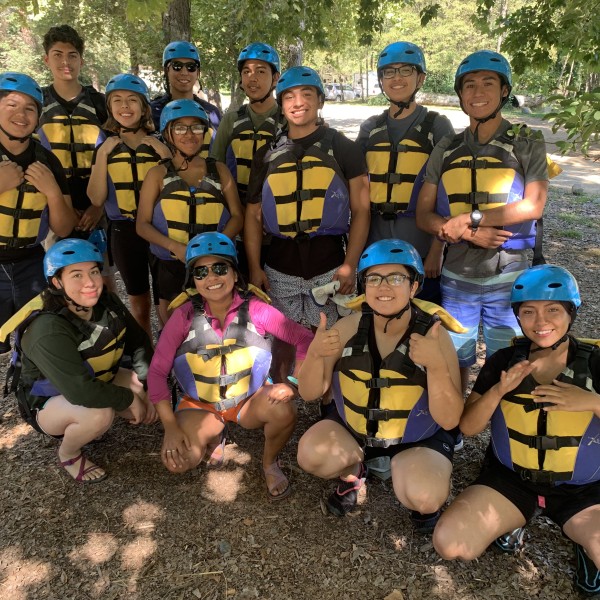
[
  {"x": 392, "y": 279},
  {"x": 219, "y": 269},
  {"x": 403, "y": 71},
  {"x": 177, "y": 65},
  {"x": 196, "y": 129}
]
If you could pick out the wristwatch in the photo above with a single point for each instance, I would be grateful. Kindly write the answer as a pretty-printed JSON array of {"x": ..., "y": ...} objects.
[{"x": 476, "y": 217}]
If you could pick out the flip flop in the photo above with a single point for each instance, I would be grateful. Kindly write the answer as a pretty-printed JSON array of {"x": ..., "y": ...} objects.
[
  {"x": 274, "y": 470},
  {"x": 82, "y": 469}
]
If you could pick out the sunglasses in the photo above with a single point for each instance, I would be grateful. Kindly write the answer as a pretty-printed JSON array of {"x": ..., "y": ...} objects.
[
  {"x": 219, "y": 269},
  {"x": 176, "y": 65},
  {"x": 393, "y": 279},
  {"x": 403, "y": 71},
  {"x": 196, "y": 129}
]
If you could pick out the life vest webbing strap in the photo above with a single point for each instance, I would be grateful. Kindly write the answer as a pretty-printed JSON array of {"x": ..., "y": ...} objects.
[
  {"x": 536, "y": 476},
  {"x": 377, "y": 414},
  {"x": 300, "y": 195},
  {"x": 224, "y": 380},
  {"x": 230, "y": 402},
  {"x": 392, "y": 178},
  {"x": 16, "y": 242},
  {"x": 194, "y": 228},
  {"x": 372, "y": 442},
  {"x": 388, "y": 209},
  {"x": 207, "y": 354},
  {"x": 300, "y": 226},
  {"x": 545, "y": 442},
  {"x": 21, "y": 213}
]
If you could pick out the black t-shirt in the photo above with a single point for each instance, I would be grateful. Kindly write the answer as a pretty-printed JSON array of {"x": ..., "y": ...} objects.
[
  {"x": 499, "y": 361},
  {"x": 308, "y": 257}
]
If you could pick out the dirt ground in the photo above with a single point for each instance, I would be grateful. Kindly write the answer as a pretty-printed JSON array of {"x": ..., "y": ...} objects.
[{"x": 145, "y": 534}]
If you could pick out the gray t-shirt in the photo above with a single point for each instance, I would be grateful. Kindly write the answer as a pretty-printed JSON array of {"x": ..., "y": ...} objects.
[
  {"x": 467, "y": 261},
  {"x": 403, "y": 228}
]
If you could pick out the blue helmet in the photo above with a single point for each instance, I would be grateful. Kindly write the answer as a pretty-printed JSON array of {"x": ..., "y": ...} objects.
[
  {"x": 69, "y": 252},
  {"x": 392, "y": 252},
  {"x": 180, "y": 49},
  {"x": 210, "y": 243},
  {"x": 484, "y": 60},
  {"x": 298, "y": 76},
  {"x": 402, "y": 52},
  {"x": 130, "y": 83},
  {"x": 259, "y": 51},
  {"x": 545, "y": 282},
  {"x": 19, "y": 82},
  {"x": 177, "y": 109}
]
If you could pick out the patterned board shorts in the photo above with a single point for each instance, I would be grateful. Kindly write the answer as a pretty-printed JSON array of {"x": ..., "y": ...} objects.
[{"x": 291, "y": 295}]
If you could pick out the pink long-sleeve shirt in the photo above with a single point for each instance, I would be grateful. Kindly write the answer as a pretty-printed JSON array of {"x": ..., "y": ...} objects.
[{"x": 265, "y": 319}]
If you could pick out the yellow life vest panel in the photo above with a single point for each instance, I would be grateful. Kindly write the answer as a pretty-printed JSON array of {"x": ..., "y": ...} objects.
[
  {"x": 548, "y": 447},
  {"x": 245, "y": 141},
  {"x": 305, "y": 195},
  {"x": 183, "y": 211},
  {"x": 397, "y": 173},
  {"x": 225, "y": 370},
  {"x": 72, "y": 137},
  {"x": 24, "y": 212},
  {"x": 126, "y": 170},
  {"x": 383, "y": 405}
]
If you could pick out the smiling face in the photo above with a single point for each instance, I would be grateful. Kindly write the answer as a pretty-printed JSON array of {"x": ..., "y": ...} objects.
[
  {"x": 385, "y": 298},
  {"x": 81, "y": 282},
  {"x": 182, "y": 81},
  {"x": 401, "y": 88},
  {"x": 481, "y": 92},
  {"x": 18, "y": 114},
  {"x": 188, "y": 143},
  {"x": 544, "y": 322},
  {"x": 300, "y": 105},
  {"x": 64, "y": 62},
  {"x": 215, "y": 288},
  {"x": 126, "y": 107},
  {"x": 258, "y": 79}
]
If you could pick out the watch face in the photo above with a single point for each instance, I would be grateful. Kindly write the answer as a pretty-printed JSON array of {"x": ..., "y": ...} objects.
[{"x": 476, "y": 217}]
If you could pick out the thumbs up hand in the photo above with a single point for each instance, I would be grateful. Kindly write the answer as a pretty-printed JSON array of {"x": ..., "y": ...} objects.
[
  {"x": 425, "y": 350},
  {"x": 326, "y": 341}
]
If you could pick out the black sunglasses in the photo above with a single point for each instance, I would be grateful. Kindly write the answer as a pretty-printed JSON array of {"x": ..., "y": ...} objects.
[
  {"x": 176, "y": 65},
  {"x": 218, "y": 269}
]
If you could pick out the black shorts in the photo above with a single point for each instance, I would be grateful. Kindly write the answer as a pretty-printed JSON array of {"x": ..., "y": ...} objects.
[
  {"x": 132, "y": 256},
  {"x": 441, "y": 441},
  {"x": 559, "y": 503},
  {"x": 171, "y": 279}
]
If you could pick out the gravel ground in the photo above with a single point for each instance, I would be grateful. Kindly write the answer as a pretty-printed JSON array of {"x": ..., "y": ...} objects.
[{"x": 146, "y": 534}]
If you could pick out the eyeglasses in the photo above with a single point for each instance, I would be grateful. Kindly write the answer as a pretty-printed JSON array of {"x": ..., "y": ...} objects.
[
  {"x": 219, "y": 269},
  {"x": 177, "y": 65},
  {"x": 392, "y": 279},
  {"x": 403, "y": 71},
  {"x": 196, "y": 129}
]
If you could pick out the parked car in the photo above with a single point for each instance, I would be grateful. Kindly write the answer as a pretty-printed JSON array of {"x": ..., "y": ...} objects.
[{"x": 339, "y": 93}]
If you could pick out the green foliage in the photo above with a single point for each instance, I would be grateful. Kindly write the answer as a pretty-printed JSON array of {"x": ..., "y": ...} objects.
[{"x": 579, "y": 114}]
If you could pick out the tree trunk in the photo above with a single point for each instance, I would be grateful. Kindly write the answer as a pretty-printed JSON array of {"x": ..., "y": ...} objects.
[{"x": 177, "y": 21}]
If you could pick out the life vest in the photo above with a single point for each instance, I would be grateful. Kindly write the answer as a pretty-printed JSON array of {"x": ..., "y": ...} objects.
[
  {"x": 72, "y": 138},
  {"x": 246, "y": 140},
  {"x": 548, "y": 447},
  {"x": 24, "y": 211},
  {"x": 396, "y": 173},
  {"x": 493, "y": 178},
  {"x": 101, "y": 348},
  {"x": 226, "y": 370},
  {"x": 126, "y": 170},
  {"x": 387, "y": 406},
  {"x": 183, "y": 211},
  {"x": 305, "y": 195}
]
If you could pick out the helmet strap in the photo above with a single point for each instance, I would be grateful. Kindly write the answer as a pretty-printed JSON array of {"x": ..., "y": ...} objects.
[
  {"x": 390, "y": 318},
  {"x": 13, "y": 138},
  {"x": 554, "y": 346},
  {"x": 402, "y": 106},
  {"x": 61, "y": 292}
]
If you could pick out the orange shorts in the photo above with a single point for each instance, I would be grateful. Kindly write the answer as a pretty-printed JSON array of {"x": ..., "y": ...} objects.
[{"x": 231, "y": 415}]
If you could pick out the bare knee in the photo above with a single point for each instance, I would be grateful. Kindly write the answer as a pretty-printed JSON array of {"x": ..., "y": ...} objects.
[
  {"x": 309, "y": 459},
  {"x": 97, "y": 420},
  {"x": 448, "y": 544},
  {"x": 425, "y": 501}
]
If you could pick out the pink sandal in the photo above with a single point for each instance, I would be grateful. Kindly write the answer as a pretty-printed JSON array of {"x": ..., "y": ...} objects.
[
  {"x": 82, "y": 469},
  {"x": 274, "y": 470}
]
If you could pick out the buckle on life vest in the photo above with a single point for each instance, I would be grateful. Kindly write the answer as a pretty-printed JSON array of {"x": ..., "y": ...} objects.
[
  {"x": 552, "y": 442},
  {"x": 394, "y": 178},
  {"x": 302, "y": 195},
  {"x": 379, "y": 414},
  {"x": 378, "y": 382},
  {"x": 387, "y": 210}
]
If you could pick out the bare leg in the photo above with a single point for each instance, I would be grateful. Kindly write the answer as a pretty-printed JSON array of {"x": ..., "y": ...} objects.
[
  {"x": 473, "y": 521},
  {"x": 464, "y": 378},
  {"x": 78, "y": 425},
  {"x": 277, "y": 420},
  {"x": 584, "y": 529},
  {"x": 283, "y": 359}
]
